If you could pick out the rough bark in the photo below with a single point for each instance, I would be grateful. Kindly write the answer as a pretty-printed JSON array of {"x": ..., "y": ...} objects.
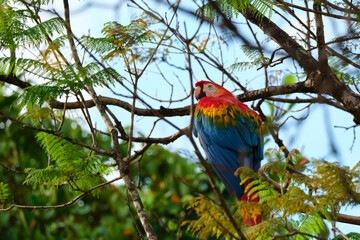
[{"x": 321, "y": 79}]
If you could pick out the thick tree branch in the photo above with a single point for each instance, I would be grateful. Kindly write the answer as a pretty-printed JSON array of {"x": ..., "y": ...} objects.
[
  {"x": 320, "y": 78},
  {"x": 166, "y": 112},
  {"x": 264, "y": 93},
  {"x": 300, "y": 87},
  {"x": 318, "y": 99},
  {"x": 320, "y": 39},
  {"x": 289, "y": 45},
  {"x": 13, "y": 80}
]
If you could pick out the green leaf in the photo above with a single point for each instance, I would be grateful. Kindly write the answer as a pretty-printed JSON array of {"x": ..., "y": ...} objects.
[
  {"x": 38, "y": 94},
  {"x": 4, "y": 193},
  {"x": 98, "y": 45},
  {"x": 40, "y": 32},
  {"x": 70, "y": 164},
  {"x": 289, "y": 79},
  {"x": 231, "y": 8},
  {"x": 314, "y": 225}
]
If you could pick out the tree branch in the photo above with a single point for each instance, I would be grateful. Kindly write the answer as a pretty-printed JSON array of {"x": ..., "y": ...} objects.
[
  {"x": 268, "y": 92},
  {"x": 11, "y": 169},
  {"x": 60, "y": 205},
  {"x": 55, "y": 133},
  {"x": 289, "y": 45},
  {"x": 320, "y": 39},
  {"x": 144, "y": 219},
  {"x": 12, "y": 79},
  {"x": 322, "y": 82}
]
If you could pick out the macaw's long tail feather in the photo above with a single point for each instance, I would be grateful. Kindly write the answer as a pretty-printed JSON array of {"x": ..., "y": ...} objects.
[{"x": 248, "y": 216}]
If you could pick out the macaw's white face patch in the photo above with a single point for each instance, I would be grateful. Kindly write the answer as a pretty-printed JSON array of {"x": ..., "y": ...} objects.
[{"x": 210, "y": 90}]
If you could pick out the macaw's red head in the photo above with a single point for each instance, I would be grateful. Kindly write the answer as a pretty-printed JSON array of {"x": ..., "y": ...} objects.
[{"x": 209, "y": 89}]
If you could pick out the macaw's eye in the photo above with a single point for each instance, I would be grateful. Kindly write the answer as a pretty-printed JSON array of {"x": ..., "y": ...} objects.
[{"x": 210, "y": 86}]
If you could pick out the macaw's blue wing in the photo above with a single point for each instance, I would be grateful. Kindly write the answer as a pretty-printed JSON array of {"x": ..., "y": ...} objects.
[{"x": 231, "y": 139}]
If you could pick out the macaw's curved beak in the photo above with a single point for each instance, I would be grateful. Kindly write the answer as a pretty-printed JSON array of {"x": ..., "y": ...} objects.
[{"x": 199, "y": 93}]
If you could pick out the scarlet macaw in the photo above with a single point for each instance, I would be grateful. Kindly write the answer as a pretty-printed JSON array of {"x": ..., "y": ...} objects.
[{"x": 231, "y": 135}]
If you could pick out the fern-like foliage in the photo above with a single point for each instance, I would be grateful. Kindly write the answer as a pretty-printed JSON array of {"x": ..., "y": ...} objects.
[
  {"x": 41, "y": 32},
  {"x": 119, "y": 38},
  {"x": 98, "y": 45},
  {"x": 55, "y": 44},
  {"x": 69, "y": 165},
  {"x": 59, "y": 81},
  {"x": 4, "y": 194},
  {"x": 295, "y": 209},
  {"x": 136, "y": 32},
  {"x": 96, "y": 75},
  {"x": 15, "y": 30},
  {"x": 232, "y": 8},
  {"x": 342, "y": 69},
  {"x": 211, "y": 222},
  {"x": 255, "y": 55},
  {"x": 22, "y": 65},
  {"x": 19, "y": 29},
  {"x": 40, "y": 114},
  {"x": 38, "y": 94},
  {"x": 313, "y": 225},
  {"x": 10, "y": 26},
  {"x": 337, "y": 183}
]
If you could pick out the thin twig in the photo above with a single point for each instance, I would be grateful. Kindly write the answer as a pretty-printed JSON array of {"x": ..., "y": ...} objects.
[
  {"x": 11, "y": 169},
  {"x": 60, "y": 205},
  {"x": 63, "y": 115},
  {"x": 55, "y": 133},
  {"x": 343, "y": 235}
]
